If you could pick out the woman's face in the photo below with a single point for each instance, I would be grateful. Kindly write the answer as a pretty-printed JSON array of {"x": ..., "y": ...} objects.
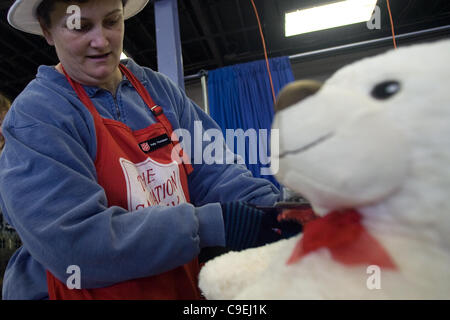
[{"x": 91, "y": 53}]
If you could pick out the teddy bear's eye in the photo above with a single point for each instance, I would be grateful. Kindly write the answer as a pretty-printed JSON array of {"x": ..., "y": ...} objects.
[{"x": 385, "y": 89}]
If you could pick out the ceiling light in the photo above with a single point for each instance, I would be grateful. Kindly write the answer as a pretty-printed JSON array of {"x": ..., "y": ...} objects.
[
  {"x": 329, "y": 16},
  {"x": 123, "y": 56}
]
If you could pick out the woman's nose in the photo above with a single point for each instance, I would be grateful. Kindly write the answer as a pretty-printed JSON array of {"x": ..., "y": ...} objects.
[{"x": 99, "y": 39}]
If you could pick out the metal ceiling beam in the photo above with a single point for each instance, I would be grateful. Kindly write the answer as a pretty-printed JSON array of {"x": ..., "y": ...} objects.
[
  {"x": 204, "y": 23},
  {"x": 145, "y": 32},
  {"x": 217, "y": 20},
  {"x": 17, "y": 54},
  {"x": 241, "y": 20},
  {"x": 14, "y": 33},
  {"x": 273, "y": 24},
  {"x": 197, "y": 34},
  {"x": 130, "y": 46},
  {"x": 149, "y": 40},
  {"x": 363, "y": 44},
  {"x": 225, "y": 33}
]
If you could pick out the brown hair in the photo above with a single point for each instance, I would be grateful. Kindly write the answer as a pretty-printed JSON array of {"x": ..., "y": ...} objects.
[
  {"x": 46, "y": 7},
  {"x": 4, "y": 105}
]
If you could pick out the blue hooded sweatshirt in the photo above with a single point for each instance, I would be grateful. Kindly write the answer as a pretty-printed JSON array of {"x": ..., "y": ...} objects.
[{"x": 50, "y": 195}]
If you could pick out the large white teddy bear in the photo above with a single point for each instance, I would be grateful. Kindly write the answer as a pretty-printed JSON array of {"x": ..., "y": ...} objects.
[{"x": 371, "y": 152}]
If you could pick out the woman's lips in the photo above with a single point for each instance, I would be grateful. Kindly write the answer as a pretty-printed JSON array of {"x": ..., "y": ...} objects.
[{"x": 99, "y": 57}]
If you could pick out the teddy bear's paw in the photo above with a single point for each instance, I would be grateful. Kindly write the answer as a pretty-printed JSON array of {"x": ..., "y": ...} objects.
[{"x": 227, "y": 275}]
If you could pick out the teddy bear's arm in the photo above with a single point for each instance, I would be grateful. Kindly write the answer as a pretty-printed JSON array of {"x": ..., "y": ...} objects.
[{"x": 226, "y": 276}]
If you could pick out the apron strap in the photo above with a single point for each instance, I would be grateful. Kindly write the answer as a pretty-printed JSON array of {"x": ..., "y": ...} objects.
[
  {"x": 156, "y": 110},
  {"x": 82, "y": 95}
]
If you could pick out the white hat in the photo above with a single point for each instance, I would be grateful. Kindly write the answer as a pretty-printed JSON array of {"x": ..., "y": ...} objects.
[{"x": 22, "y": 14}]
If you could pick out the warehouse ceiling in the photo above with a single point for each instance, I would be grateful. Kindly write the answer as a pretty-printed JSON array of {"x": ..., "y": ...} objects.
[{"x": 217, "y": 33}]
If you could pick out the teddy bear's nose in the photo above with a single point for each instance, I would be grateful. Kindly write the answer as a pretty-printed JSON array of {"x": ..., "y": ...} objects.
[{"x": 296, "y": 92}]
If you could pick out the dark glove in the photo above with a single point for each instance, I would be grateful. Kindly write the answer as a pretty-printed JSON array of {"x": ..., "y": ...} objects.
[{"x": 247, "y": 227}]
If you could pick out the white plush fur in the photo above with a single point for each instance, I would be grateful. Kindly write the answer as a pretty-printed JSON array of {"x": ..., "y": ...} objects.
[{"x": 389, "y": 159}]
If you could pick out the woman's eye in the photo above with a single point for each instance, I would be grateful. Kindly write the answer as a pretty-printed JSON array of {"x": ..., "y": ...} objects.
[
  {"x": 386, "y": 89},
  {"x": 112, "y": 22},
  {"x": 83, "y": 28}
]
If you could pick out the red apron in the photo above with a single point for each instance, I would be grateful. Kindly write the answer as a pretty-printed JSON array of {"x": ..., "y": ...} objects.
[{"x": 138, "y": 169}]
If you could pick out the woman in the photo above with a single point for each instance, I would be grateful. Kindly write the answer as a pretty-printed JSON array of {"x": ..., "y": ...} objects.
[{"x": 104, "y": 201}]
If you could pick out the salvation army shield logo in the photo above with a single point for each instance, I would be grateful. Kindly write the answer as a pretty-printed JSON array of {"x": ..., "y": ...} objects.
[
  {"x": 152, "y": 183},
  {"x": 145, "y": 147}
]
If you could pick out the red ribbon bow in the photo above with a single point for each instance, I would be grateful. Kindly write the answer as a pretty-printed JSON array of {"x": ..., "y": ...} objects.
[{"x": 348, "y": 241}]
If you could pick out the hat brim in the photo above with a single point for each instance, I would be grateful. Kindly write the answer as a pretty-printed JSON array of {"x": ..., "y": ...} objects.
[{"x": 22, "y": 16}]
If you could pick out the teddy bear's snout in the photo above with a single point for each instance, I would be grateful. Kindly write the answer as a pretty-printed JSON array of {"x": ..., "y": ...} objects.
[{"x": 296, "y": 92}]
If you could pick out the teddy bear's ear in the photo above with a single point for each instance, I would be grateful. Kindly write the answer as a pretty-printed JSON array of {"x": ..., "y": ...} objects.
[{"x": 295, "y": 92}]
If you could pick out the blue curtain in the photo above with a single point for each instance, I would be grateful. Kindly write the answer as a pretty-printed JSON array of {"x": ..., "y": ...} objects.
[{"x": 240, "y": 97}]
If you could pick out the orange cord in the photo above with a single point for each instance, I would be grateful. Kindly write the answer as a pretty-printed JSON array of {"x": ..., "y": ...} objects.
[
  {"x": 392, "y": 24},
  {"x": 265, "y": 51}
]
